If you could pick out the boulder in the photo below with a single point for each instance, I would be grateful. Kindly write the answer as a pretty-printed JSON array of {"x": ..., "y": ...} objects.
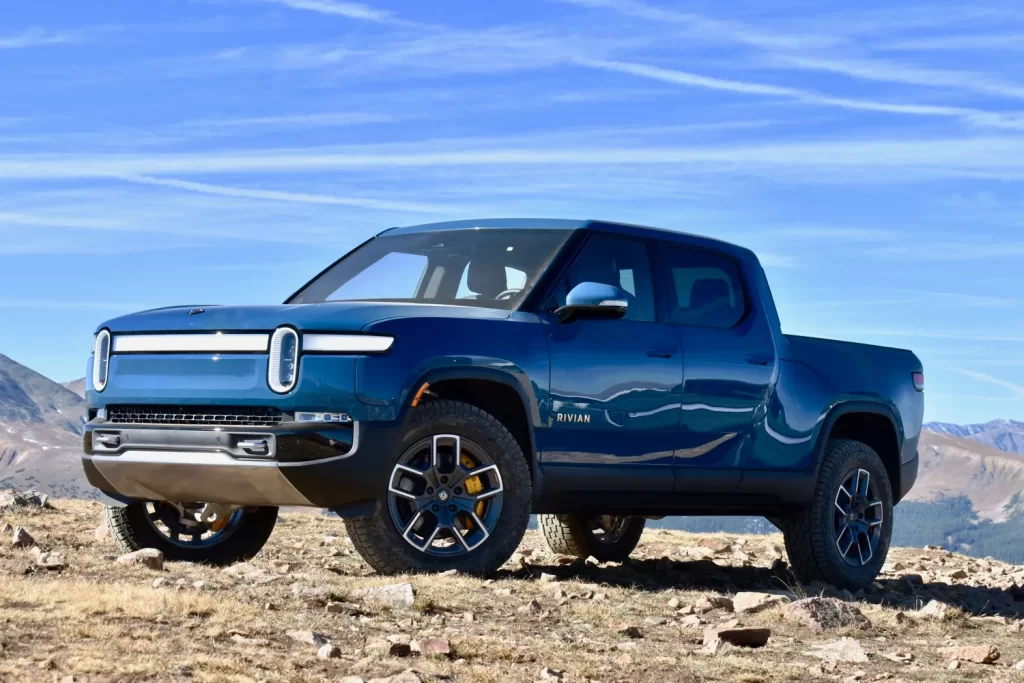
[
  {"x": 750, "y": 603},
  {"x": 716, "y": 639},
  {"x": 825, "y": 614},
  {"x": 395, "y": 596},
  {"x": 843, "y": 650},
  {"x": 147, "y": 557},
  {"x": 978, "y": 654},
  {"x": 22, "y": 538}
]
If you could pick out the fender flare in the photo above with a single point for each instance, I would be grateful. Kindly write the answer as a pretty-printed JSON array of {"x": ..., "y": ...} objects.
[
  {"x": 515, "y": 381},
  {"x": 842, "y": 408}
]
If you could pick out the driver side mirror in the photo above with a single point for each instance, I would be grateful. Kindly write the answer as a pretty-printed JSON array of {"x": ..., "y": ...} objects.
[{"x": 593, "y": 300}]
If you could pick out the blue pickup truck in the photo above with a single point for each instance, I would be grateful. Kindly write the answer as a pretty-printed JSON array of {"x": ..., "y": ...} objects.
[{"x": 441, "y": 382}]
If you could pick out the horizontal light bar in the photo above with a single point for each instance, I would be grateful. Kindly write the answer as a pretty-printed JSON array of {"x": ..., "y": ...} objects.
[
  {"x": 346, "y": 343},
  {"x": 191, "y": 343}
]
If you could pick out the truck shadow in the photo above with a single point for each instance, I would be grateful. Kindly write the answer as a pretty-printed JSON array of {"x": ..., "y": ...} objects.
[{"x": 906, "y": 593}]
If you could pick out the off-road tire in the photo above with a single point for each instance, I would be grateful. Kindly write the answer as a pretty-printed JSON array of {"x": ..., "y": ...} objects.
[
  {"x": 809, "y": 535},
  {"x": 381, "y": 545},
  {"x": 572, "y": 535},
  {"x": 131, "y": 531}
]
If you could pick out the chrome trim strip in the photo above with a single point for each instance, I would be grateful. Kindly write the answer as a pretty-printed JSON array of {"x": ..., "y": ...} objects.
[
  {"x": 216, "y": 342},
  {"x": 346, "y": 343}
]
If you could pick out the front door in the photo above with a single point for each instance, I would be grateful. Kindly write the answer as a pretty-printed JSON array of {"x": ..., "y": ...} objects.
[{"x": 614, "y": 399}]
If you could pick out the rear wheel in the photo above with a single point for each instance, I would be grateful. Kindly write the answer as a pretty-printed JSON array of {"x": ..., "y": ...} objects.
[
  {"x": 607, "y": 538},
  {"x": 843, "y": 537},
  {"x": 458, "y": 496},
  {"x": 192, "y": 532}
]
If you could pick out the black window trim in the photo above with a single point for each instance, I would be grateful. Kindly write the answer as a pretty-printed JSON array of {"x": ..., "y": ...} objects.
[{"x": 664, "y": 281}]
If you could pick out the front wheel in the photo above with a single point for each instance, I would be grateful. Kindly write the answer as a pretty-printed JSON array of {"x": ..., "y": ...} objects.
[
  {"x": 458, "y": 496},
  {"x": 843, "y": 537},
  {"x": 188, "y": 533},
  {"x": 606, "y": 538}
]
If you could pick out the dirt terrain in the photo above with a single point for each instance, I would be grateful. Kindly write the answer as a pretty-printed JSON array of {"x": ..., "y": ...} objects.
[{"x": 301, "y": 611}]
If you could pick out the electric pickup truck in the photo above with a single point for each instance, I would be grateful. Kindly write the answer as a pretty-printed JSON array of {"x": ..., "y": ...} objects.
[{"x": 441, "y": 383}]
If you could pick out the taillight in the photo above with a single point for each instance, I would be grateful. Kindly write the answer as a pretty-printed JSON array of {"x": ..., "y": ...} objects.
[{"x": 918, "y": 378}]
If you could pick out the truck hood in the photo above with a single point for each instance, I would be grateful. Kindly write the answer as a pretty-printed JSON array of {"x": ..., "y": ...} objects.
[{"x": 342, "y": 316}]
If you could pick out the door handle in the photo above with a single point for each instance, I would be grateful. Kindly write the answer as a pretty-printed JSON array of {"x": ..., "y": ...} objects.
[
  {"x": 759, "y": 358},
  {"x": 661, "y": 352}
]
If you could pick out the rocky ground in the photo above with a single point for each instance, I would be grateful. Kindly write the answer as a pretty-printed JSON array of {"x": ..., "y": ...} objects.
[{"x": 687, "y": 608}]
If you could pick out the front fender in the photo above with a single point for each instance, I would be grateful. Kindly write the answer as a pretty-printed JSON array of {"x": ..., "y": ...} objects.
[{"x": 513, "y": 352}]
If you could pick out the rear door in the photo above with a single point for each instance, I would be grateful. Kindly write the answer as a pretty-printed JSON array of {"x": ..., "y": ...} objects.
[
  {"x": 614, "y": 401},
  {"x": 728, "y": 363}
]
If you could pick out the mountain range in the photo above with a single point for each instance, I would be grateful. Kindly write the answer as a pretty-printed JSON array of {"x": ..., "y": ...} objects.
[
  {"x": 1005, "y": 435},
  {"x": 40, "y": 433}
]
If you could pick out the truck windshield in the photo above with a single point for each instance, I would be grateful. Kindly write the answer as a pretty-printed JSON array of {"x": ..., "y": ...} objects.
[{"x": 488, "y": 268}]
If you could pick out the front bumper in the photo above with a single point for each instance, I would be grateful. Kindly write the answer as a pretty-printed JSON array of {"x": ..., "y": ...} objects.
[{"x": 329, "y": 468}]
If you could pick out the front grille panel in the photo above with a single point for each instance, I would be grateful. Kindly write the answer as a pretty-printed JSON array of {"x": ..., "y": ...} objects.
[{"x": 213, "y": 416}]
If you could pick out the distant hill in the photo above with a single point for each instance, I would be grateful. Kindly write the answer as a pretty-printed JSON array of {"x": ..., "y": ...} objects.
[
  {"x": 76, "y": 386},
  {"x": 40, "y": 433},
  {"x": 1006, "y": 435}
]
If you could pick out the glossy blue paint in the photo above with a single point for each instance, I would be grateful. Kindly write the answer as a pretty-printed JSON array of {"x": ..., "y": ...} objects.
[{"x": 614, "y": 406}]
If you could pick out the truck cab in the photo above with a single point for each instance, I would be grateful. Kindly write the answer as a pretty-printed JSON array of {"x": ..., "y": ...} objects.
[{"x": 442, "y": 382}]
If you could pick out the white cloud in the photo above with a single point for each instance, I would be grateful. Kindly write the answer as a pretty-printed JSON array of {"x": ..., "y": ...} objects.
[
  {"x": 893, "y": 72},
  {"x": 975, "y": 116},
  {"x": 993, "y": 41},
  {"x": 708, "y": 28},
  {"x": 33, "y": 37},
  {"x": 350, "y": 10},
  {"x": 282, "y": 196},
  {"x": 1016, "y": 389}
]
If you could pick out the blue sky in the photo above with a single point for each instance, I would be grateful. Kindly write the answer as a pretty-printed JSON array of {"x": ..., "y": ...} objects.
[{"x": 223, "y": 151}]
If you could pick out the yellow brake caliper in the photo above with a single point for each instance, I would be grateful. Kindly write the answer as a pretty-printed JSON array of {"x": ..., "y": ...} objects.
[{"x": 473, "y": 486}]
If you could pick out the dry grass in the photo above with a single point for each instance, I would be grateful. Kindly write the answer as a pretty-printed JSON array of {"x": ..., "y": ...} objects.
[{"x": 101, "y": 621}]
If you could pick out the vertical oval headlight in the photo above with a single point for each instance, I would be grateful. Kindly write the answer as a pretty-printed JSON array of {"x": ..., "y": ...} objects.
[
  {"x": 100, "y": 360},
  {"x": 283, "y": 369}
]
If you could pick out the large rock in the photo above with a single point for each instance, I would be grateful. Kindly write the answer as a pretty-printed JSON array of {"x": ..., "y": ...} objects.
[
  {"x": 395, "y": 596},
  {"x": 825, "y": 614},
  {"x": 147, "y": 557},
  {"x": 52, "y": 560},
  {"x": 432, "y": 645},
  {"x": 22, "y": 538},
  {"x": 716, "y": 639},
  {"x": 843, "y": 650},
  {"x": 935, "y": 609},
  {"x": 978, "y": 654},
  {"x": 750, "y": 603},
  {"x": 32, "y": 498}
]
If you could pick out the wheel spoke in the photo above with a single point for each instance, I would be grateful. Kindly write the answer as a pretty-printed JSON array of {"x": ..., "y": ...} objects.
[{"x": 435, "y": 452}]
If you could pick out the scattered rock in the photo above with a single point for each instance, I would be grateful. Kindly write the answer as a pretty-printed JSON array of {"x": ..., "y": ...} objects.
[
  {"x": 22, "y": 538},
  {"x": 147, "y": 557},
  {"x": 750, "y": 603},
  {"x": 978, "y": 654},
  {"x": 959, "y": 574},
  {"x": 407, "y": 676},
  {"x": 308, "y": 638},
  {"x": 1019, "y": 666},
  {"x": 716, "y": 639},
  {"x": 52, "y": 561},
  {"x": 939, "y": 611},
  {"x": 843, "y": 650},
  {"x": 31, "y": 498},
  {"x": 101, "y": 533},
  {"x": 691, "y": 621},
  {"x": 629, "y": 631},
  {"x": 709, "y": 603},
  {"x": 717, "y": 546},
  {"x": 548, "y": 578},
  {"x": 328, "y": 651},
  {"x": 826, "y": 614},
  {"x": 160, "y": 582},
  {"x": 674, "y": 603},
  {"x": 432, "y": 645},
  {"x": 549, "y": 674},
  {"x": 395, "y": 596}
]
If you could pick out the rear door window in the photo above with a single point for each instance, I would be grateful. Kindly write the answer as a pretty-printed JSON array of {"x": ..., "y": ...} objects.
[{"x": 703, "y": 289}]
